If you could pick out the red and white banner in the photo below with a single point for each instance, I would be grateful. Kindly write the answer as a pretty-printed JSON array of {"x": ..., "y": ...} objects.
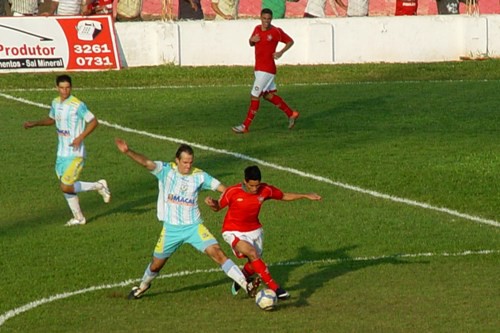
[{"x": 57, "y": 43}]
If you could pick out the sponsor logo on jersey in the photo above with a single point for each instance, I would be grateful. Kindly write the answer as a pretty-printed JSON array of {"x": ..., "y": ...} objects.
[
  {"x": 177, "y": 199},
  {"x": 63, "y": 132}
]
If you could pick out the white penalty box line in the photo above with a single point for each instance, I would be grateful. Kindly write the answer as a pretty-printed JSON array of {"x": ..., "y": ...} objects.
[
  {"x": 354, "y": 188},
  {"x": 32, "y": 305}
]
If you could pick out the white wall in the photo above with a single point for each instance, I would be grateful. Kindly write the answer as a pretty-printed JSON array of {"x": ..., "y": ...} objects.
[{"x": 317, "y": 41}]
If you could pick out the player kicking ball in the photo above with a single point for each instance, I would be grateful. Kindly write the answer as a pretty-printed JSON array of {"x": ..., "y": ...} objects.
[{"x": 242, "y": 229}]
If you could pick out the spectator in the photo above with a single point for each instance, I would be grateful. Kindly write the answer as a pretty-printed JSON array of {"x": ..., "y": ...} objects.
[
  {"x": 65, "y": 7},
  {"x": 406, "y": 7},
  {"x": 129, "y": 9},
  {"x": 316, "y": 8},
  {"x": 100, "y": 7},
  {"x": 3, "y": 9},
  {"x": 225, "y": 9},
  {"x": 190, "y": 10},
  {"x": 450, "y": 7},
  {"x": 278, "y": 7},
  {"x": 357, "y": 8},
  {"x": 25, "y": 7}
]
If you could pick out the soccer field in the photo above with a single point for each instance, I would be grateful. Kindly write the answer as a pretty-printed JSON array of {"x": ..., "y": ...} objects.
[{"x": 406, "y": 238}]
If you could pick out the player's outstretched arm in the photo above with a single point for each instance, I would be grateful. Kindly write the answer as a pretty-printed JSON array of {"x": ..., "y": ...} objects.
[
  {"x": 212, "y": 203},
  {"x": 43, "y": 122},
  {"x": 139, "y": 158},
  {"x": 297, "y": 196}
]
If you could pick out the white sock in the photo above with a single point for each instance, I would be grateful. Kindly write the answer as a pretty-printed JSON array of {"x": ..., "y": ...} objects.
[
  {"x": 86, "y": 186},
  {"x": 235, "y": 273},
  {"x": 74, "y": 205},
  {"x": 148, "y": 277}
]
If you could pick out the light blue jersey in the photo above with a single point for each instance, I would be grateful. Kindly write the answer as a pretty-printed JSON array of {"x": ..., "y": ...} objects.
[
  {"x": 70, "y": 115},
  {"x": 178, "y": 193}
]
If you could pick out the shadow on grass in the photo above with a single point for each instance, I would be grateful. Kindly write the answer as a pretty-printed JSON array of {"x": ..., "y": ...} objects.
[
  {"x": 335, "y": 264},
  {"x": 331, "y": 265}
]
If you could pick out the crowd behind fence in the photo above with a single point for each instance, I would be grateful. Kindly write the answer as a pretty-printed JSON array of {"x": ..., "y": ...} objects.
[{"x": 125, "y": 10}]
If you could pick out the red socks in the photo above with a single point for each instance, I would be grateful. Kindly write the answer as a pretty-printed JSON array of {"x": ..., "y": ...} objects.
[
  {"x": 252, "y": 111},
  {"x": 248, "y": 269},
  {"x": 280, "y": 103},
  {"x": 260, "y": 268}
]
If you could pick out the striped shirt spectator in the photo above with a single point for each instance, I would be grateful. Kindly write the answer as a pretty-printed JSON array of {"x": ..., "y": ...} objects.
[
  {"x": 25, "y": 7},
  {"x": 65, "y": 7}
]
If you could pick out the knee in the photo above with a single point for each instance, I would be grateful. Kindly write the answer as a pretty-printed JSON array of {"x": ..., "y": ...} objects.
[
  {"x": 157, "y": 265},
  {"x": 268, "y": 96},
  {"x": 67, "y": 188},
  {"x": 252, "y": 255},
  {"x": 216, "y": 253}
]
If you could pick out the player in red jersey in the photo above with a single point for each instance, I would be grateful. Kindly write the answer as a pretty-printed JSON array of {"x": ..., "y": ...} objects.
[
  {"x": 242, "y": 229},
  {"x": 265, "y": 39}
]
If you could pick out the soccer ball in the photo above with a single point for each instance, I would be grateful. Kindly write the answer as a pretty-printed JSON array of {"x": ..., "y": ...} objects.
[{"x": 266, "y": 299}]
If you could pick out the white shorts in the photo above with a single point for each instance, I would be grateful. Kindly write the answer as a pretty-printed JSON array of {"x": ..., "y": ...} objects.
[
  {"x": 255, "y": 238},
  {"x": 264, "y": 82}
]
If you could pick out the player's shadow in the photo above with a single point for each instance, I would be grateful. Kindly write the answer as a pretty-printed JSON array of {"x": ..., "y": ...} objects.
[
  {"x": 165, "y": 289},
  {"x": 332, "y": 264}
]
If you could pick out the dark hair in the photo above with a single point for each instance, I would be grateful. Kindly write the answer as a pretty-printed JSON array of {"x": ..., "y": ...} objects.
[
  {"x": 184, "y": 148},
  {"x": 252, "y": 173},
  {"x": 266, "y": 11},
  {"x": 63, "y": 78}
]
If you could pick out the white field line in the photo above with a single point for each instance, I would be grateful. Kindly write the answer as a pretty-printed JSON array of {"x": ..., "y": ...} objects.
[
  {"x": 188, "y": 86},
  {"x": 30, "y": 306},
  {"x": 376, "y": 194}
]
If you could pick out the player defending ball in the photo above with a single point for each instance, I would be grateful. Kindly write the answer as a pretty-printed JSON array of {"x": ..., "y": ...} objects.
[{"x": 242, "y": 229}]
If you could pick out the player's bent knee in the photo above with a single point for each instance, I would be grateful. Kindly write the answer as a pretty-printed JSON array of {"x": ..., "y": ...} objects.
[
  {"x": 216, "y": 253},
  {"x": 67, "y": 188}
]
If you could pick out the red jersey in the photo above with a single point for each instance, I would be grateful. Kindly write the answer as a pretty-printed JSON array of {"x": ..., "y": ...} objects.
[
  {"x": 244, "y": 207},
  {"x": 406, "y": 7},
  {"x": 264, "y": 49},
  {"x": 101, "y": 7}
]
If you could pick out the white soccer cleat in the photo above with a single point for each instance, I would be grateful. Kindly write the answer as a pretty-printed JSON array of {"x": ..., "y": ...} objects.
[
  {"x": 291, "y": 120},
  {"x": 104, "y": 191},
  {"x": 74, "y": 222},
  {"x": 137, "y": 292},
  {"x": 240, "y": 129}
]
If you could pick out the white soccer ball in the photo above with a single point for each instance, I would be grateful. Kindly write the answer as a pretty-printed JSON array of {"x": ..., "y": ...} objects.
[{"x": 266, "y": 299}]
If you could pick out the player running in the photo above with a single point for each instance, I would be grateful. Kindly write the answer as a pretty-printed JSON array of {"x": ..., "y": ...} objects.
[
  {"x": 74, "y": 122},
  {"x": 242, "y": 229},
  {"x": 265, "y": 39}
]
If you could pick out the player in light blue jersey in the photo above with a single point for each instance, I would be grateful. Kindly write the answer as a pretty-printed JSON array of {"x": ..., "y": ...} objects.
[
  {"x": 74, "y": 122},
  {"x": 179, "y": 184}
]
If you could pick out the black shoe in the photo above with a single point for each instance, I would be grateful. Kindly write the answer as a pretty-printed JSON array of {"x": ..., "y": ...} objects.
[
  {"x": 282, "y": 294},
  {"x": 253, "y": 286},
  {"x": 137, "y": 292}
]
